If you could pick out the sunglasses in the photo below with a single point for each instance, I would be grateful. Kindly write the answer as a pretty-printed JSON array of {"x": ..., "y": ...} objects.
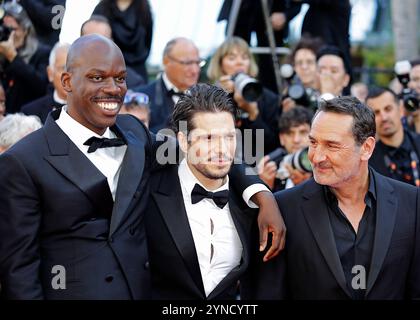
[{"x": 136, "y": 97}]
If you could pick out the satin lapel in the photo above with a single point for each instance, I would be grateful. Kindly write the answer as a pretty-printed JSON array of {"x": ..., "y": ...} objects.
[
  {"x": 130, "y": 176},
  {"x": 386, "y": 211},
  {"x": 316, "y": 214},
  {"x": 170, "y": 202},
  {"x": 67, "y": 159}
]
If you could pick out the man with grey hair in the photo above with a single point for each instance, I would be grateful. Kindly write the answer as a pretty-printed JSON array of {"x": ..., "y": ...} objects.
[
  {"x": 56, "y": 98},
  {"x": 351, "y": 232},
  {"x": 14, "y": 127},
  {"x": 181, "y": 70}
]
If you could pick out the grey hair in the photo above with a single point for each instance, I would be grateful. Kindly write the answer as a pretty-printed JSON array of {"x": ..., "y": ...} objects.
[
  {"x": 171, "y": 44},
  {"x": 15, "y": 126},
  {"x": 53, "y": 53}
]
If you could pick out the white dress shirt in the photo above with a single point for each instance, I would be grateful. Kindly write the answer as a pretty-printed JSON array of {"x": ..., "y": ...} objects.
[
  {"x": 227, "y": 246},
  {"x": 107, "y": 160}
]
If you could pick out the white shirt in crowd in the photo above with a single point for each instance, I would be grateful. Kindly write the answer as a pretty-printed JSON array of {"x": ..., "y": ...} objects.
[{"x": 107, "y": 160}]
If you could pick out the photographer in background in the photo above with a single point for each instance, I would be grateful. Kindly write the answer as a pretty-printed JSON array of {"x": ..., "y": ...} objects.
[
  {"x": 23, "y": 60},
  {"x": 333, "y": 71},
  {"x": 397, "y": 152},
  {"x": 414, "y": 84},
  {"x": 301, "y": 76},
  {"x": 294, "y": 126},
  {"x": 233, "y": 58}
]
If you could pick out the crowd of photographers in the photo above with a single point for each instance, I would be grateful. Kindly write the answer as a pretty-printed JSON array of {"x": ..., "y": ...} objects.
[{"x": 318, "y": 67}]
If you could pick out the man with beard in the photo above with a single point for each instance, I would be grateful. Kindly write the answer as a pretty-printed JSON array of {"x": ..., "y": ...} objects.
[
  {"x": 73, "y": 194},
  {"x": 352, "y": 233},
  {"x": 397, "y": 152},
  {"x": 202, "y": 238}
]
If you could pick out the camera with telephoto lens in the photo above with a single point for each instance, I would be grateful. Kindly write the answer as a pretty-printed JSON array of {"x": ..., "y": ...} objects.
[
  {"x": 248, "y": 87},
  {"x": 4, "y": 30},
  {"x": 305, "y": 97},
  {"x": 409, "y": 96},
  {"x": 298, "y": 160}
]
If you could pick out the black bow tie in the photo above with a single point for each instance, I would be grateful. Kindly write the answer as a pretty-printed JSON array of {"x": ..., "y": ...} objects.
[
  {"x": 172, "y": 93},
  {"x": 94, "y": 143},
  {"x": 220, "y": 198}
]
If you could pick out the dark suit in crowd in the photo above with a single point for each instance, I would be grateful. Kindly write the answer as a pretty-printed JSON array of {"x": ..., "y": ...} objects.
[
  {"x": 161, "y": 104},
  {"x": 41, "y": 107},
  {"x": 174, "y": 263},
  {"x": 314, "y": 245},
  {"x": 383, "y": 156}
]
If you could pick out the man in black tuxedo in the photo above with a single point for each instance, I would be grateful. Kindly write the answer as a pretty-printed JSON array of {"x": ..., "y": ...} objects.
[
  {"x": 397, "y": 152},
  {"x": 181, "y": 70},
  {"x": 352, "y": 233},
  {"x": 54, "y": 99},
  {"x": 202, "y": 237},
  {"x": 73, "y": 194}
]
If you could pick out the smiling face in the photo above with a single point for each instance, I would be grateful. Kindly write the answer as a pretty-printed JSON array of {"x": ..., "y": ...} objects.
[
  {"x": 210, "y": 147},
  {"x": 335, "y": 157},
  {"x": 94, "y": 82}
]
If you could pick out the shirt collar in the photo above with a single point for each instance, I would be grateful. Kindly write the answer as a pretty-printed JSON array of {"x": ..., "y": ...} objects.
[
  {"x": 77, "y": 132},
  {"x": 58, "y": 99},
  {"x": 188, "y": 179},
  {"x": 168, "y": 84},
  {"x": 369, "y": 197}
]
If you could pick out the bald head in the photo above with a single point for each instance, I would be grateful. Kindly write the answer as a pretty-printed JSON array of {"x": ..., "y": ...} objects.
[
  {"x": 178, "y": 42},
  {"x": 90, "y": 45}
]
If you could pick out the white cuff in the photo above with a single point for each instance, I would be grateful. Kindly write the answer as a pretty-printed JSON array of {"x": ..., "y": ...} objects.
[{"x": 250, "y": 191}]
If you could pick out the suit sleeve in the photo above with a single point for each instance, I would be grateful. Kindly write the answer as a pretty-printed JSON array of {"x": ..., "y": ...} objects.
[
  {"x": 414, "y": 276},
  {"x": 20, "y": 220}
]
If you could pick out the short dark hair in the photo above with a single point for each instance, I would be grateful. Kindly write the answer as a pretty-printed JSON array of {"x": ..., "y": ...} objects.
[
  {"x": 363, "y": 117},
  {"x": 335, "y": 51},
  {"x": 306, "y": 42},
  {"x": 375, "y": 92},
  {"x": 200, "y": 98},
  {"x": 294, "y": 117}
]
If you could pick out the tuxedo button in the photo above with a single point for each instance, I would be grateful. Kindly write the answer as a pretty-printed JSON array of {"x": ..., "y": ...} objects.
[
  {"x": 146, "y": 265},
  {"x": 109, "y": 278}
]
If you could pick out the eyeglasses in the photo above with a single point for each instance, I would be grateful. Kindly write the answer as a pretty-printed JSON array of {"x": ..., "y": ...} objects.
[
  {"x": 201, "y": 62},
  {"x": 136, "y": 97}
]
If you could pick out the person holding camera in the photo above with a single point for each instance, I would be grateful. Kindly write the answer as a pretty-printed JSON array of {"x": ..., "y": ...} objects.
[
  {"x": 397, "y": 152},
  {"x": 294, "y": 126},
  {"x": 23, "y": 60},
  {"x": 233, "y": 68},
  {"x": 414, "y": 84},
  {"x": 303, "y": 81}
]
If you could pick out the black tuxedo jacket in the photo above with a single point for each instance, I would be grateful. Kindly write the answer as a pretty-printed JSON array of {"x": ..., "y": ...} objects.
[
  {"x": 41, "y": 107},
  {"x": 173, "y": 259},
  {"x": 313, "y": 266},
  {"x": 161, "y": 104},
  {"x": 56, "y": 209},
  {"x": 377, "y": 161}
]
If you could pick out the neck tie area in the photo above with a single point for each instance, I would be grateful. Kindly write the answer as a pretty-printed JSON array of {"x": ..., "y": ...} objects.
[
  {"x": 220, "y": 198},
  {"x": 95, "y": 143}
]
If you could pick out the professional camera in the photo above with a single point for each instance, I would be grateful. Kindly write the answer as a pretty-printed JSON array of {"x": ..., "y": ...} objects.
[
  {"x": 305, "y": 97},
  {"x": 4, "y": 31},
  {"x": 409, "y": 96},
  {"x": 298, "y": 160},
  {"x": 247, "y": 86}
]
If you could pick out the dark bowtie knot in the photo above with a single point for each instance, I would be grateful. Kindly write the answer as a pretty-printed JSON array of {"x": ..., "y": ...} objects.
[
  {"x": 172, "y": 93},
  {"x": 95, "y": 143},
  {"x": 220, "y": 198}
]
